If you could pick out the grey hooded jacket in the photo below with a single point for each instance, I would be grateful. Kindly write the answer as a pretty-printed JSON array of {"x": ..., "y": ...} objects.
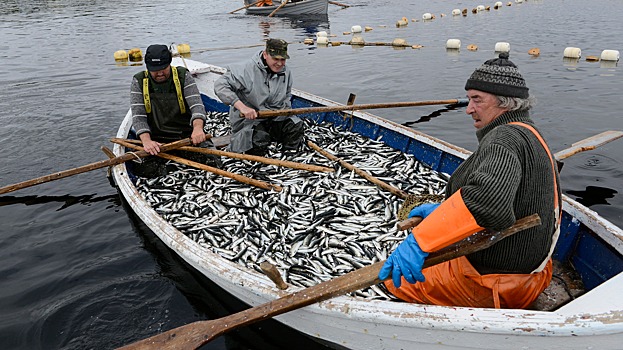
[{"x": 257, "y": 87}]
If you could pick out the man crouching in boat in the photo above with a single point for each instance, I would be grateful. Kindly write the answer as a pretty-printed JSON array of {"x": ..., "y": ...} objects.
[
  {"x": 166, "y": 106},
  {"x": 511, "y": 175},
  {"x": 263, "y": 83}
]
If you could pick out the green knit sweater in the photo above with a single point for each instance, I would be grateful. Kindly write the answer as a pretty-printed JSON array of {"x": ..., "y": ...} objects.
[{"x": 507, "y": 178}]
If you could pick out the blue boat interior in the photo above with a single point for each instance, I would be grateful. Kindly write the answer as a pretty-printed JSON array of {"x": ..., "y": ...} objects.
[{"x": 593, "y": 258}]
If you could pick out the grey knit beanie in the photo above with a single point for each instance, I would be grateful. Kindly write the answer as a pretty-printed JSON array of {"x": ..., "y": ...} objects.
[{"x": 498, "y": 76}]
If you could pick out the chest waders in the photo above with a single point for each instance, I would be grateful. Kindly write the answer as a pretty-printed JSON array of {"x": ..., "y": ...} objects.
[{"x": 167, "y": 115}]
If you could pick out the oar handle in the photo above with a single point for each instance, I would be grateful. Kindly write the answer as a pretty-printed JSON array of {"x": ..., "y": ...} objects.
[
  {"x": 89, "y": 167},
  {"x": 295, "y": 111}
]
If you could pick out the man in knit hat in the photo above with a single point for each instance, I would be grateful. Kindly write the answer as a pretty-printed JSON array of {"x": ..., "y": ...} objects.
[{"x": 511, "y": 175}]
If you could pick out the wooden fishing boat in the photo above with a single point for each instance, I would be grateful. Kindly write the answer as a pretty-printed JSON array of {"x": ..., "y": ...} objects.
[
  {"x": 590, "y": 243},
  {"x": 292, "y": 8}
]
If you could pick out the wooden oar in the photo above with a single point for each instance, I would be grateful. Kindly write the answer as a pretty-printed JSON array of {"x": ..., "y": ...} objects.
[
  {"x": 589, "y": 144},
  {"x": 384, "y": 185},
  {"x": 270, "y": 161},
  {"x": 193, "y": 335},
  {"x": 245, "y": 6},
  {"x": 283, "y": 3},
  {"x": 92, "y": 166},
  {"x": 217, "y": 171},
  {"x": 287, "y": 112},
  {"x": 338, "y": 4}
]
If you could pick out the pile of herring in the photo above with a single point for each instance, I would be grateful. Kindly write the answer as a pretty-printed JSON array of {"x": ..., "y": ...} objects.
[{"x": 320, "y": 226}]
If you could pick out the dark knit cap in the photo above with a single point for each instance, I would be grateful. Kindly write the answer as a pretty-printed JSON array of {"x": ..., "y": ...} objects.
[
  {"x": 498, "y": 76},
  {"x": 157, "y": 57}
]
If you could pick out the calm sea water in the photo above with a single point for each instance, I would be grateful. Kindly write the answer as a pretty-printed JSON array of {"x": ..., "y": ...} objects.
[{"x": 77, "y": 271}]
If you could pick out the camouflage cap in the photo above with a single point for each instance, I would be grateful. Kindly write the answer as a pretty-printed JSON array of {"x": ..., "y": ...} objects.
[{"x": 277, "y": 48}]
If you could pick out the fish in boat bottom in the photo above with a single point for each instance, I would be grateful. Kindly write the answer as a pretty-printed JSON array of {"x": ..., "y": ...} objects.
[{"x": 320, "y": 226}]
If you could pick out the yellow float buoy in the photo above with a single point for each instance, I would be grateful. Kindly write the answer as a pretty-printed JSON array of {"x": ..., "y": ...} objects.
[
  {"x": 399, "y": 42},
  {"x": 336, "y": 43},
  {"x": 121, "y": 55},
  {"x": 416, "y": 46},
  {"x": 464, "y": 12},
  {"x": 135, "y": 54},
  {"x": 308, "y": 41},
  {"x": 535, "y": 51},
  {"x": 367, "y": 29},
  {"x": 472, "y": 47},
  {"x": 402, "y": 23},
  {"x": 346, "y": 33},
  {"x": 183, "y": 49}
]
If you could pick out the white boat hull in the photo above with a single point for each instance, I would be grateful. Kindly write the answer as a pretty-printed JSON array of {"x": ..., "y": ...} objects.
[
  {"x": 592, "y": 321},
  {"x": 304, "y": 7}
]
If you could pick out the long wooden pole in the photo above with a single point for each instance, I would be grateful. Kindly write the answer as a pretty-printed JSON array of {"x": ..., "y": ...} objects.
[
  {"x": 287, "y": 112},
  {"x": 283, "y": 3},
  {"x": 92, "y": 166},
  {"x": 270, "y": 161},
  {"x": 384, "y": 185},
  {"x": 245, "y": 6},
  {"x": 217, "y": 171},
  {"x": 338, "y": 4},
  {"x": 193, "y": 335}
]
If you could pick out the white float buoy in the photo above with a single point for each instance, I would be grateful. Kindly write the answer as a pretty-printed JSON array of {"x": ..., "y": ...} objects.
[
  {"x": 427, "y": 16},
  {"x": 402, "y": 23},
  {"x": 498, "y": 4},
  {"x": 572, "y": 52},
  {"x": 453, "y": 44},
  {"x": 355, "y": 29},
  {"x": 456, "y": 12},
  {"x": 321, "y": 34},
  {"x": 519, "y": 1},
  {"x": 322, "y": 40},
  {"x": 502, "y": 47},
  {"x": 480, "y": 8},
  {"x": 610, "y": 55}
]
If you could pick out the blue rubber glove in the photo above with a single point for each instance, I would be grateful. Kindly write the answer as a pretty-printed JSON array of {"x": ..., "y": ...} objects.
[
  {"x": 423, "y": 210},
  {"x": 407, "y": 260}
]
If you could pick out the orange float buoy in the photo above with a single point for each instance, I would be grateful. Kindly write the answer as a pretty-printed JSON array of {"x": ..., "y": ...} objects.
[
  {"x": 592, "y": 58},
  {"x": 472, "y": 47},
  {"x": 535, "y": 51}
]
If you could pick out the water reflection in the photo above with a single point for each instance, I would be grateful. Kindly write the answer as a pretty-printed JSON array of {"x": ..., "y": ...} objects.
[
  {"x": 593, "y": 195},
  {"x": 67, "y": 200}
]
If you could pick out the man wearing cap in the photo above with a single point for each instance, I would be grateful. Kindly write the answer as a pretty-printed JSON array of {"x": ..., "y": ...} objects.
[
  {"x": 263, "y": 83},
  {"x": 511, "y": 175},
  {"x": 166, "y": 106}
]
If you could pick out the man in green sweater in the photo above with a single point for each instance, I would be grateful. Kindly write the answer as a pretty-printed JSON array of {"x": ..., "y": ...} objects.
[{"x": 511, "y": 175}]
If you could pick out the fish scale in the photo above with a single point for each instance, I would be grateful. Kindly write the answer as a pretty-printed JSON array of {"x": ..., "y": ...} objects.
[{"x": 320, "y": 226}]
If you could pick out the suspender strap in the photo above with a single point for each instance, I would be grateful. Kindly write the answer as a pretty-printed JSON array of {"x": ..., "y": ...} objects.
[
  {"x": 146, "y": 99},
  {"x": 557, "y": 208},
  {"x": 178, "y": 89}
]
